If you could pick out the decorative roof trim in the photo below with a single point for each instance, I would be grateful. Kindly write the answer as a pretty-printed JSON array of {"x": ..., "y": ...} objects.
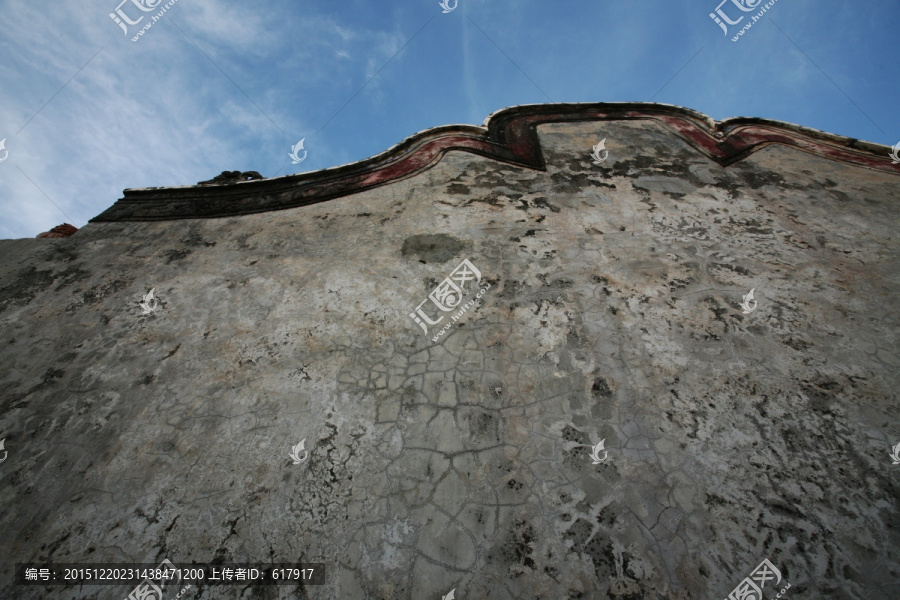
[{"x": 509, "y": 135}]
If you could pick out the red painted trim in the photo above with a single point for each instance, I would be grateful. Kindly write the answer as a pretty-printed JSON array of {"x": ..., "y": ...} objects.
[{"x": 510, "y": 136}]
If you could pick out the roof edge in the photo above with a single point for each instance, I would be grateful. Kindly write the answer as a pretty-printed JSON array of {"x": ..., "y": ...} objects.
[{"x": 508, "y": 135}]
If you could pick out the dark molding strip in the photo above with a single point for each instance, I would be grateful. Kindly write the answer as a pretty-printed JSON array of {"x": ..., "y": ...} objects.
[{"x": 509, "y": 135}]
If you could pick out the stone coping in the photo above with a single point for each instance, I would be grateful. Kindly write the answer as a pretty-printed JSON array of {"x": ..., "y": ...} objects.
[{"x": 508, "y": 135}]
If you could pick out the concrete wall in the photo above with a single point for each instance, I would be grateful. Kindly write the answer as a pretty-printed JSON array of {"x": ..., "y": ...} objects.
[{"x": 612, "y": 314}]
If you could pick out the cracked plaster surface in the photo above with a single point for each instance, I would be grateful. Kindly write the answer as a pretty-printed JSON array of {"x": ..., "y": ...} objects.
[{"x": 613, "y": 314}]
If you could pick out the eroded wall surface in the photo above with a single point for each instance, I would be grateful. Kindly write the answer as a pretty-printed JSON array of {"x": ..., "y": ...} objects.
[{"x": 612, "y": 313}]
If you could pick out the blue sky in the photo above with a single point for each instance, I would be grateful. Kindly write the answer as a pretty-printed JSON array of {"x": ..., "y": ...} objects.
[{"x": 219, "y": 85}]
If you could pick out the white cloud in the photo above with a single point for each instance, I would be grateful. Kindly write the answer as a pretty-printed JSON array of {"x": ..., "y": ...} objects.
[{"x": 157, "y": 112}]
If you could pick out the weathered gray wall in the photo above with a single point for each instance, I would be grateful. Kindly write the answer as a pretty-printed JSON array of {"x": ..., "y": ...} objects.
[{"x": 613, "y": 313}]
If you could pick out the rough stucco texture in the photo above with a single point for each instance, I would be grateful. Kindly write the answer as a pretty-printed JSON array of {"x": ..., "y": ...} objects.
[{"x": 464, "y": 463}]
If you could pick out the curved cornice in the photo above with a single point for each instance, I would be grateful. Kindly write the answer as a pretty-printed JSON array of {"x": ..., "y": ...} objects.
[{"x": 509, "y": 135}]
